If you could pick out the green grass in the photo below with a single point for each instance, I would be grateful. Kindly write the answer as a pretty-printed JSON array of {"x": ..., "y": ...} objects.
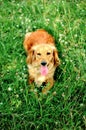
[{"x": 64, "y": 108}]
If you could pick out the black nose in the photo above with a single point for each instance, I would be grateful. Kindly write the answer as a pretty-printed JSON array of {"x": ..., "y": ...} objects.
[{"x": 43, "y": 63}]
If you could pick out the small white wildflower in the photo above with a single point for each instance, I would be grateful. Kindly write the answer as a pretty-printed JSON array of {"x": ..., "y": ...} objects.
[
  {"x": 47, "y": 20},
  {"x": 22, "y": 22},
  {"x": 56, "y": 123},
  {"x": 81, "y": 105},
  {"x": 17, "y": 95},
  {"x": 17, "y": 25},
  {"x": 20, "y": 17},
  {"x": 62, "y": 23},
  {"x": 77, "y": 78},
  {"x": 18, "y": 4},
  {"x": 75, "y": 35},
  {"x": 76, "y": 45},
  {"x": 59, "y": 39},
  {"x": 14, "y": 38},
  {"x": 71, "y": 61},
  {"x": 83, "y": 54},
  {"x": 26, "y": 30},
  {"x": 77, "y": 5},
  {"x": 63, "y": 55},
  {"x": 62, "y": 41},
  {"x": 26, "y": 20},
  {"x": 9, "y": 89},
  {"x": 1, "y": 103},
  {"x": 63, "y": 95},
  {"x": 54, "y": 93},
  {"x": 61, "y": 35},
  {"x": 66, "y": 42},
  {"x": 20, "y": 78},
  {"x": 82, "y": 10},
  {"x": 84, "y": 117},
  {"x": 53, "y": 2},
  {"x": 34, "y": 26},
  {"x": 2, "y": 82},
  {"x": 24, "y": 68},
  {"x": 18, "y": 104},
  {"x": 35, "y": 90},
  {"x": 21, "y": 90},
  {"x": 21, "y": 59},
  {"x": 70, "y": 28},
  {"x": 29, "y": 20}
]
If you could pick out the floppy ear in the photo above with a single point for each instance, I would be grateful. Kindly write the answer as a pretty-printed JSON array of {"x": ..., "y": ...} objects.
[
  {"x": 31, "y": 56},
  {"x": 56, "y": 58},
  {"x": 27, "y": 42}
]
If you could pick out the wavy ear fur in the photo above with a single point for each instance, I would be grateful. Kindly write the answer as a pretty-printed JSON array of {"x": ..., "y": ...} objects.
[
  {"x": 56, "y": 58},
  {"x": 27, "y": 44},
  {"x": 30, "y": 57}
]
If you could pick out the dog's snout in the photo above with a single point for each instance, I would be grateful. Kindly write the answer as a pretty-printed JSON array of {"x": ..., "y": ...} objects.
[{"x": 43, "y": 63}]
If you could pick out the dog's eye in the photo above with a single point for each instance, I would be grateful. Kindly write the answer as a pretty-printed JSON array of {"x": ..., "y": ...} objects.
[
  {"x": 39, "y": 54},
  {"x": 48, "y": 53}
]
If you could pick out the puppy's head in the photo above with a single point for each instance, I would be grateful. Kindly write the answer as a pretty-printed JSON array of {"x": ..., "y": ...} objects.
[{"x": 45, "y": 56}]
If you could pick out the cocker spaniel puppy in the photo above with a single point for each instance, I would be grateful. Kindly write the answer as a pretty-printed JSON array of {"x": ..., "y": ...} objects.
[{"x": 42, "y": 58}]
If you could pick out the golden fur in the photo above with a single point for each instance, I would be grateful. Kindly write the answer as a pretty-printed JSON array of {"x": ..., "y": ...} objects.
[{"x": 40, "y": 46}]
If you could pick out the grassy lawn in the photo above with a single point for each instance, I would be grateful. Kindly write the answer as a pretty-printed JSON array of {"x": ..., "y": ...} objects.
[{"x": 64, "y": 108}]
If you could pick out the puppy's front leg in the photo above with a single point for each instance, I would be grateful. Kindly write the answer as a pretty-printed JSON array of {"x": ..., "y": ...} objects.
[
  {"x": 31, "y": 83},
  {"x": 31, "y": 80},
  {"x": 49, "y": 86}
]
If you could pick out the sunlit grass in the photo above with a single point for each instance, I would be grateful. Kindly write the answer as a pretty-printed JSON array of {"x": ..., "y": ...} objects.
[{"x": 64, "y": 108}]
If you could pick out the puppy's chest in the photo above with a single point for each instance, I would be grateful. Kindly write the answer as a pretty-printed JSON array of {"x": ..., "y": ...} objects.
[{"x": 35, "y": 72}]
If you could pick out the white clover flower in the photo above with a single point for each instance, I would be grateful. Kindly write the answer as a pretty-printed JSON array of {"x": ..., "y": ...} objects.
[
  {"x": 20, "y": 78},
  {"x": 56, "y": 123},
  {"x": 17, "y": 4},
  {"x": 59, "y": 39},
  {"x": 71, "y": 61},
  {"x": 63, "y": 95},
  {"x": 53, "y": 2},
  {"x": 21, "y": 90},
  {"x": 62, "y": 41},
  {"x": 61, "y": 35},
  {"x": 26, "y": 30},
  {"x": 57, "y": 10},
  {"x": 35, "y": 90},
  {"x": 1, "y": 103},
  {"x": 17, "y": 95},
  {"x": 34, "y": 26},
  {"x": 81, "y": 105},
  {"x": 26, "y": 20},
  {"x": 63, "y": 63},
  {"x": 22, "y": 22},
  {"x": 75, "y": 35},
  {"x": 9, "y": 89},
  {"x": 17, "y": 25},
  {"x": 47, "y": 20},
  {"x": 66, "y": 42},
  {"x": 62, "y": 24},
  {"x": 20, "y": 17},
  {"x": 54, "y": 93}
]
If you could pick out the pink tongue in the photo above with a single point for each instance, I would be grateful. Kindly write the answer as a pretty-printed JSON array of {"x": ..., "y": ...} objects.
[{"x": 44, "y": 70}]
